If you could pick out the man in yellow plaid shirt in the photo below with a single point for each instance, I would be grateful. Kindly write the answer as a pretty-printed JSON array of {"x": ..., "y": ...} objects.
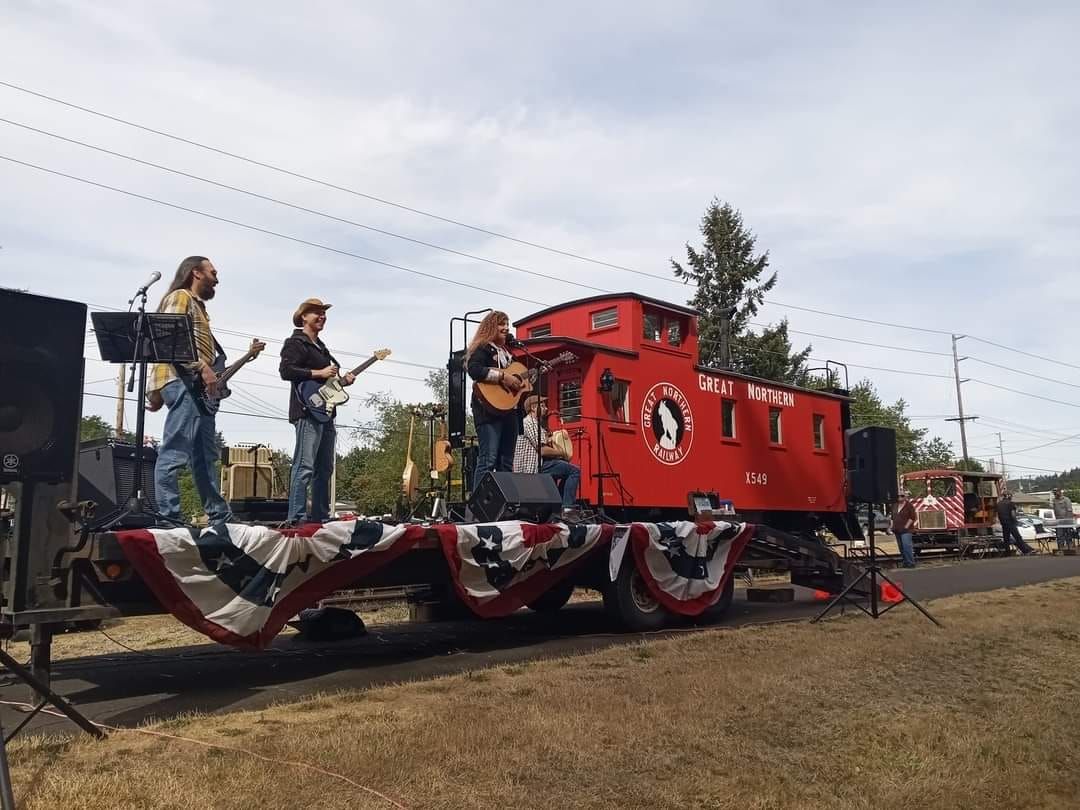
[{"x": 190, "y": 436}]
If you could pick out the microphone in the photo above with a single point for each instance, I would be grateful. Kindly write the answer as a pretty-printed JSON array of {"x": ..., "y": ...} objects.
[
  {"x": 155, "y": 277},
  {"x": 514, "y": 343}
]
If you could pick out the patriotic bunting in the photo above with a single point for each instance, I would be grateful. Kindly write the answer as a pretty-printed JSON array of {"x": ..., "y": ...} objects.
[
  {"x": 498, "y": 567},
  {"x": 686, "y": 565}
]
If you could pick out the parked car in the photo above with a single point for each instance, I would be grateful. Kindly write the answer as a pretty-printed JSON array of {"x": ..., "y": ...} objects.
[
  {"x": 1033, "y": 530},
  {"x": 882, "y": 523}
]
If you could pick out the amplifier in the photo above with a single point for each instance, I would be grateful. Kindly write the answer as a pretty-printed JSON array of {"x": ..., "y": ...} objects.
[
  {"x": 107, "y": 475},
  {"x": 532, "y": 497},
  {"x": 260, "y": 510}
]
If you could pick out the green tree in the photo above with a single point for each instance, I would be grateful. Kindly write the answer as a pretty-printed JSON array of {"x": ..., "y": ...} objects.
[
  {"x": 94, "y": 427},
  {"x": 915, "y": 450},
  {"x": 731, "y": 287}
]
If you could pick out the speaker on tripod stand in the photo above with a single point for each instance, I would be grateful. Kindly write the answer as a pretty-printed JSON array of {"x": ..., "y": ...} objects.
[{"x": 872, "y": 479}]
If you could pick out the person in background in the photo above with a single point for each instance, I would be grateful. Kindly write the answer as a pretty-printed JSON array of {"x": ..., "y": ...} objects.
[
  {"x": 1065, "y": 525},
  {"x": 903, "y": 524},
  {"x": 1006, "y": 511}
]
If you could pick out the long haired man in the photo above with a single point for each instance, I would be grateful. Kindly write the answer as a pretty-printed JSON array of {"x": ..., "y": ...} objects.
[{"x": 190, "y": 436}]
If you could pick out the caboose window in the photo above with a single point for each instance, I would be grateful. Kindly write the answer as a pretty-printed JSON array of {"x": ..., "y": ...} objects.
[
  {"x": 819, "y": 431},
  {"x": 603, "y": 318},
  {"x": 674, "y": 333},
  {"x": 617, "y": 401},
  {"x": 650, "y": 326},
  {"x": 727, "y": 419},
  {"x": 543, "y": 330},
  {"x": 776, "y": 434},
  {"x": 570, "y": 400}
]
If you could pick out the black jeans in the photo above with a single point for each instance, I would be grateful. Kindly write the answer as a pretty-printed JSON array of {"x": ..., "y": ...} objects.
[{"x": 1010, "y": 531}]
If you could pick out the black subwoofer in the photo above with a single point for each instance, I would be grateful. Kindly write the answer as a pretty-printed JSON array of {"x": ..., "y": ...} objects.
[
  {"x": 41, "y": 374},
  {"x": 532, "y": 497}
]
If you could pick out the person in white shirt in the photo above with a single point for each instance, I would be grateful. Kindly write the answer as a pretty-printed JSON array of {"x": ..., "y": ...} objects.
[{"x": 535, "y": 453}]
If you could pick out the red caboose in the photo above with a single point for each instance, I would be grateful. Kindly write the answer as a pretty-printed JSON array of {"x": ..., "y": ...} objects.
[{"x": 649, "y": 424}]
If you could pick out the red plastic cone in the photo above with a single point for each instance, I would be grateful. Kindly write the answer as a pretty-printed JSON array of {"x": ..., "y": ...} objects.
[
  {"x": 822, "y": 596},
  {"x": 890, "y": 593}
]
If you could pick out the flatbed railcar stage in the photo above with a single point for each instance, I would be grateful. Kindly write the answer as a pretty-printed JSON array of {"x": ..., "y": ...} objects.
[{"x": 648, "y": 425}]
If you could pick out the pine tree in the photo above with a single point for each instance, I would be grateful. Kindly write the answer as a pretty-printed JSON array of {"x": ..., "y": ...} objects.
[{"x": 730, "y": 291}]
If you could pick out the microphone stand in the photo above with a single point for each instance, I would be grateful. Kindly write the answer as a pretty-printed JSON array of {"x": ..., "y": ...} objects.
[{"x": 137, "y": 504}]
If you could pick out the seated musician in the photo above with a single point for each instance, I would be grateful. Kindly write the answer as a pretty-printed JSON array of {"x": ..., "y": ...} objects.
[
  {"x": 536, "y": 453},
  {"x": 485, "y": 358}
]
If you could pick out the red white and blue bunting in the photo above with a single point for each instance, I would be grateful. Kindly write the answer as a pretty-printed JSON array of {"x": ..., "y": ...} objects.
[
  {"x": 686, "y": 565},
  {"x": 498, "y": 567},
  {"x": 240, "y": 584}
]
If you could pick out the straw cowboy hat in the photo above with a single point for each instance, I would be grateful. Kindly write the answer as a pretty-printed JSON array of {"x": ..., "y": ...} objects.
[{"x": 307, "y": 306}]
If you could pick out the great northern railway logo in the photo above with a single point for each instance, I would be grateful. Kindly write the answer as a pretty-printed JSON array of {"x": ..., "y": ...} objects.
[{"x": 667, "y": 424}]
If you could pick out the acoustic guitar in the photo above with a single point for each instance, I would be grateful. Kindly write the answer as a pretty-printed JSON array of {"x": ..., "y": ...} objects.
[
  {"x": 499, "y": 400},
  {"x": 410, "y": 476},
  {"x": 442, "y": 455}
]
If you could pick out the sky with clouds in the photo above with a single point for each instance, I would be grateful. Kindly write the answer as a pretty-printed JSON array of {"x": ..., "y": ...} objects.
[{"x": 910, "y": 163}]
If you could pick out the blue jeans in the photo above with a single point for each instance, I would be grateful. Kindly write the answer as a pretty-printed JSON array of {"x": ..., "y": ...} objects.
[
  {"x": 189, "y": 439},
  {"x": 1065, "y": 538},
  {"x": 497, "y": 442},
  {"x": 313, "y": 465},
  {"x": 570, "y": 473},
  {"x": 907, "y": 548}
]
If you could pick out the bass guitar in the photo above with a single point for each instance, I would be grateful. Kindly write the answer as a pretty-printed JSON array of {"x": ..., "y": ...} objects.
[
  {"x": 208, "y": 398},
  {"x": 321, "y": 398},
  {"x": 498, "y": 399}
]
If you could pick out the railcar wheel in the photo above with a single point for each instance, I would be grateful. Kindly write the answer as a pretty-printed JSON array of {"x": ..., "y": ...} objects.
[
  {"x": 628, "y": 600},
  {"x": 719, "y": 610},
  {"x": 553, "y": 598}
]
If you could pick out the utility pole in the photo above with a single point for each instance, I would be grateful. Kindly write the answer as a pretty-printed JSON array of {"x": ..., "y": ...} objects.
[
  {"x": 120, "y": 402},
  {"x": 1001, "y": 451},
  {"x": 960, "y": 400}
]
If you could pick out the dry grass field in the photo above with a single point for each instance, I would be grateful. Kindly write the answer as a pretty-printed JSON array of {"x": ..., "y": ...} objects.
[{"x": 847, "y": 714}]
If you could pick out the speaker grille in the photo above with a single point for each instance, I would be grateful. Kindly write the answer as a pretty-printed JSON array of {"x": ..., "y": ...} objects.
[{"x": 41, "y": 368}]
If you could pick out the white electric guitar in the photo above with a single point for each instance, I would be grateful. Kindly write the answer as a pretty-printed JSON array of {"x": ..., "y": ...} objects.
[{"x": 322, "y": 399}]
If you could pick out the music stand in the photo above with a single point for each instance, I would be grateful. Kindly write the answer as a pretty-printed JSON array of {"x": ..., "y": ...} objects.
[{"x": 141, "y": 338}]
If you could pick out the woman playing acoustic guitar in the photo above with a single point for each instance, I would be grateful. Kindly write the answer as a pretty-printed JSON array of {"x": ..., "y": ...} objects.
[{"x": 486, "y": 357}]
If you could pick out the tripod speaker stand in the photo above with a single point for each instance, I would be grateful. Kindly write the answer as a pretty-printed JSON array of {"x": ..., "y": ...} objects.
[{"x": 873, "y": 573}]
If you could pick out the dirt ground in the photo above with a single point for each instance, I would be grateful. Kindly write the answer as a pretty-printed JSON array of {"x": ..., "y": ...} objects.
[{"x": 846, "y": 714}]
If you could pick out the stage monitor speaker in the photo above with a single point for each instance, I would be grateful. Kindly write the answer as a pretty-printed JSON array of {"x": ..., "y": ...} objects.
[
  {"x": 871, "y": 464},
  {"x": 41, "y": 375},
  {"x": 107, "y": 475},
  {"x": 532, "y": 497}
]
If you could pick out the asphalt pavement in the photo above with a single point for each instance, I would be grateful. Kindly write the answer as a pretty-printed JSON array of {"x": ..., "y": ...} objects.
[{"x": 129, "y": 688}]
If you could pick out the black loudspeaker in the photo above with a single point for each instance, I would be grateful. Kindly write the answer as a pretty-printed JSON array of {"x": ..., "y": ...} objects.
[
  {"x": 515, "y": 496},
  {"x": 41, "y": 374},
  {"x": 260, "y": 510},
  {"x": 871, "y": 464},
  {"x": 107, "y": 475},
  {"x": 455, "y": 399}
]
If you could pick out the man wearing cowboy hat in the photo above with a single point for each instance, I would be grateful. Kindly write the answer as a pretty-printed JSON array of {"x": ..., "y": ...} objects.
[{"x": 305, "y": 357}]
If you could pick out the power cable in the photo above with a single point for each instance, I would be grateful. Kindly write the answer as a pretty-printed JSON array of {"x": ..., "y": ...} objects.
[
  {"x": 1022, "y": 373},
  {"x": 267, "y": 231},
  {"x": 306, "y": 210}
]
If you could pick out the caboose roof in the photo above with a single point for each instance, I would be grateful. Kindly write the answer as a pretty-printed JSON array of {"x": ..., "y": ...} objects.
[
  {"x": 950, "y": 474},
  {"x": 656, "y": 302}
]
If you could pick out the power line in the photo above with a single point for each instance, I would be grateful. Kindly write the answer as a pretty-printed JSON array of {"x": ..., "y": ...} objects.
[
  {"x": 267, "y": 231},
  {"x": 1025, "y": 393},
  {"x": 1026, "y": 354},
  {"x": 1022, "y": 373},
  {"x": 305, "y": 209},
  {"x": 850, "y": 340},
  {"x": 448, "y": 220}
]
